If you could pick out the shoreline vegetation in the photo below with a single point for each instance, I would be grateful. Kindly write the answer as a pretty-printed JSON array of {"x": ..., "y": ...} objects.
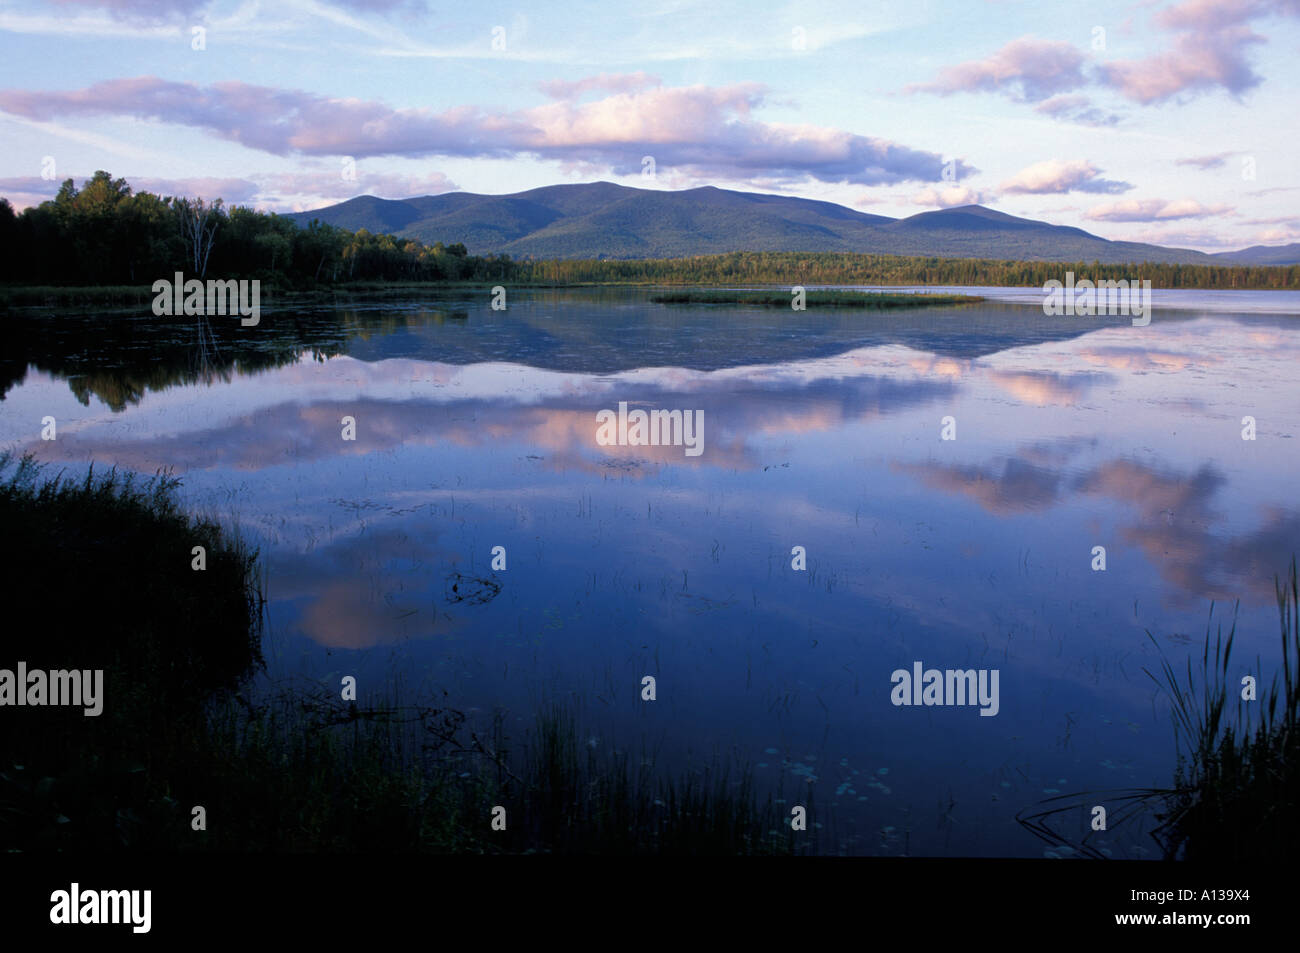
[
  {"x": 703, "y": 278},
  {"x": 1235, "y": 794},
  {"x": 188, "y": 720},
  {"x": 824, "y": 299},
  {"x": 106, "y": 244}
]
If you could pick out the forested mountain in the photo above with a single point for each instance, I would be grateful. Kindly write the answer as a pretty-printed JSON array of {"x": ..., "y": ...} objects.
[
  {"x": 106, "y": 234},
  {"x": 1263, "y": 255},
  {"x": 603, "y": 220}
]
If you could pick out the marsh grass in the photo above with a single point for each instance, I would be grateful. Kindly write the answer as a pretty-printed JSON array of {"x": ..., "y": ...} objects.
[
  {"x": 55, "y": 296},
  {"x": 305, "y": 772},
  {"x": 815, "y": 299},
  {"x": 190, "y": 718},
  {"x": 102, "y": 563},
  {"x": 1236, "y": 787},
  {"x": 1235, "y": 790}
]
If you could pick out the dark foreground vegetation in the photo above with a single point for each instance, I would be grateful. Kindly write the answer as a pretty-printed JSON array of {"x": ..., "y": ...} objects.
[
  {"x": 1236, "y": 790},
  {"x": 106, "y": 561},
  {"x": 814, "y": 299},
  {"x": 111, "y": 243},
  {"x": 1236, "y": 796}
]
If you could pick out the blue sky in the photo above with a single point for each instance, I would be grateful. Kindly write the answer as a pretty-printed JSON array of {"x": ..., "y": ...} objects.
[{"x": 1164, "y": 122}]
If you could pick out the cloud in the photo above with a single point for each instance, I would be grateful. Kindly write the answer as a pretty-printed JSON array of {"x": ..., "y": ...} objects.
[
  {"x": 1059, "y": 176},
  {"x": 1277, "y": 236},
  {"x": 1153, "y": 210},
  {"x": 233, "y": 190},
  {"x": 1195, "y": 63},
  {"x": 701, "y": 129},
  {"x": 607, "y": 82},
  {"x": 1074, "y": 107},
  {"x": 1215, "y": 161},
  {"x": 144, "y": 11},
  {"x": 1293, "y": 219},
  {"x": 161, "y": 11},
  {"x": 1210, "y": 50},
  {"x": 948, "y": 198},
  {"x": 1204, "y": 239},
  {"x": 1026, "y": 70},
  {"x": 282, "y": 191}
]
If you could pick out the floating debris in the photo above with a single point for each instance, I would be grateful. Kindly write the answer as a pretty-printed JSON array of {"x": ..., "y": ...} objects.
[{"x": 461, "y": 588}]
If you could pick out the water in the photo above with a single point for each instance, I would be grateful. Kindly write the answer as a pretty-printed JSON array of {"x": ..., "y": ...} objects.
[{"x": 476, "y": 429}]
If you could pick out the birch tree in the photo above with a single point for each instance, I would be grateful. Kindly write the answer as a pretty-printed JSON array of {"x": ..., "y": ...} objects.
[{"x": 198, "y": 224}]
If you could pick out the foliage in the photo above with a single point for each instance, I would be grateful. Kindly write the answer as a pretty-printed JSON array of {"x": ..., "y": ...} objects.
[
  {"x": 106, "y": 234},
  {"x": 1237, "y": 790},
  {"x": 813, "y": 299}
]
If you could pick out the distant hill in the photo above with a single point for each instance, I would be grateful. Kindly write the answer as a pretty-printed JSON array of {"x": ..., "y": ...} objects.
[
  {"x": 604, "y": 220},
  {"x": 1263, "y": 255}
]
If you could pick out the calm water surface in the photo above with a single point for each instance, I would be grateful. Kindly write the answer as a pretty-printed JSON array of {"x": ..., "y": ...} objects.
[{"x": 476, "y": 429}]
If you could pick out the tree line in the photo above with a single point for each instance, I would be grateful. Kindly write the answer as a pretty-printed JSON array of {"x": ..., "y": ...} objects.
[
  {"x": 841, "y": 268},
  {"x": 104, "y": 233}
]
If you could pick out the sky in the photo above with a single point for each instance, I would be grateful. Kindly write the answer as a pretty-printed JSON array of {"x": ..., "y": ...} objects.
[{"x": 1165, "y": 122}]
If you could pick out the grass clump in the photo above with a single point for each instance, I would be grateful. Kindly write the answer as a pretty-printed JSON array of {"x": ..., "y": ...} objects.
[
  {"x": 1237, "y": 787},
  {"x": 105, "y": 563}
]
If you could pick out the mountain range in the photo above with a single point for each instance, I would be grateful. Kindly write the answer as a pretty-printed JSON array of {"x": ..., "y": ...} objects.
[{"x": 604, "y": 220}]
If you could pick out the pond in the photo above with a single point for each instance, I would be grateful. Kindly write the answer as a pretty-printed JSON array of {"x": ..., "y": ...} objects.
[{"x": 824, "y": 537}]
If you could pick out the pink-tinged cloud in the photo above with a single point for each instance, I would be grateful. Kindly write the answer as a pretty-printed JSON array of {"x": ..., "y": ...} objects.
[
  {"x": 141, "y": 11},
  {"x": 1027, "y": 69},
  {"x": 1205, "y": 239},
  {"x": 280, "y": 190},
  {"x": 1153, "y": 210},
  {"x": 1197, "y": 62},
  {"x": 1204, "y": 163},
  {"x": 1075, "y": 107},
  {"x": 948, "y": 198},
  {"x": 331, "y": 184},
  {"x": 233, "y": 190},
  {"x": 1273, "y": 236},
  {"x": 699, "y": 129},
  {"x": 606, "y": 82},
  {"x": 1293, "y": 219},
  {"x": 1057, "y": 176},
  {"x": 1210, "y": 50},
  {"x": 159, "y": 11}
]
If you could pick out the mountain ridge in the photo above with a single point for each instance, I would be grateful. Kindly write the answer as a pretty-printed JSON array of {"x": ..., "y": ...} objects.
[{"x": 607, "y": 220}]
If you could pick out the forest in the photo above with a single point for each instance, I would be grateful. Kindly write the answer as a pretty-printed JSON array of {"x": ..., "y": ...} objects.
[{"x": 106, "y": 234}]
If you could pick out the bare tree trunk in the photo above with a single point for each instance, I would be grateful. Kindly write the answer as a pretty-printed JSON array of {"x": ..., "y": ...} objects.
[{"x": 198, "y": 223}]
